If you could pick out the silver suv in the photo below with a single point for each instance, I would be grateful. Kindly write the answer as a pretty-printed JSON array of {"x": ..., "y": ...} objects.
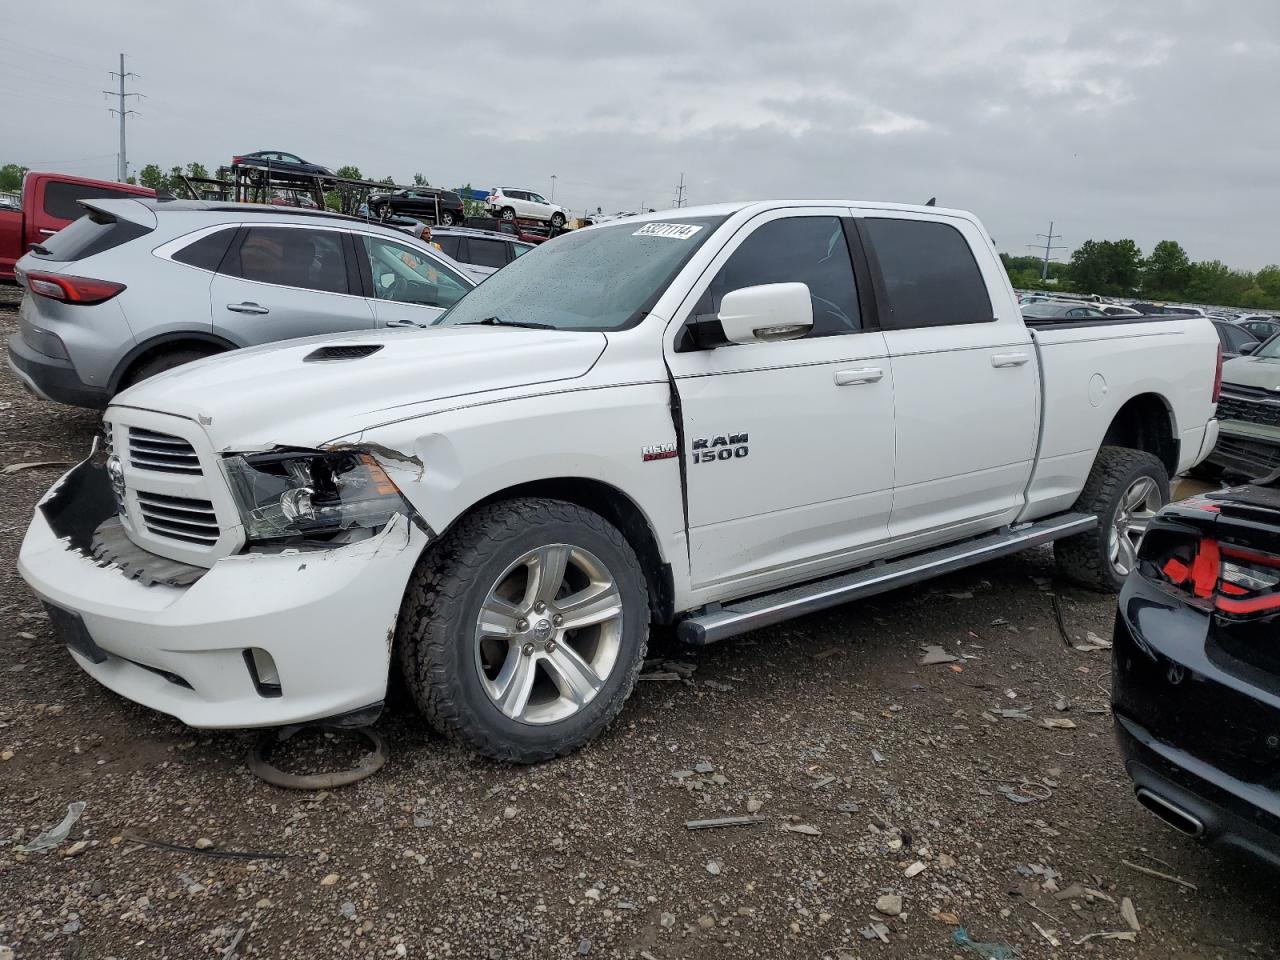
[{"x": 136, "y": 287}]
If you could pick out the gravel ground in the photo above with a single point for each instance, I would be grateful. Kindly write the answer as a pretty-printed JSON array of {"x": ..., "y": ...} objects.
[{"x": 864, "y": 767}]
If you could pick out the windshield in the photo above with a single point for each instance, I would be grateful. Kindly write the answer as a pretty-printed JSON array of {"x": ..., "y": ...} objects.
[
  {"x": 1269, "y": 350},
  {"x": 606, "y": 278}
]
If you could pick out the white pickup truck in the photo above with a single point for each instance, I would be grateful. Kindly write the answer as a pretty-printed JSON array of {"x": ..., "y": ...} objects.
[{"x": 716, "y": 418}]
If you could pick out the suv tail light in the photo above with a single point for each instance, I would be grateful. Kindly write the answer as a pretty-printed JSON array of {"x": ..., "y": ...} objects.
[
  {"x": 1236, "y": 580},
  {"x": 83, "y": 290},
  {"x": 1217, "y": 377}
]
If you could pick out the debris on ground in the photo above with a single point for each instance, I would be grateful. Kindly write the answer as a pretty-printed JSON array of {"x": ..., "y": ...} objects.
[
  {"x": 890, "y": 905},
  {"x": 717, "y": 822},
  {"x": 807, "y": 829},
  {"x": 37, "y": 465},
  {"x": 988, "y": 951},
  {"x": 1130, "y": 914},
  {"x": 934, "y": 654},
  {"x": 1162, "y": 876},
  {"x": 55, "y": 835},
  {"x": 915, "y": 869},
  {"x": 1058, "y": 723},
  {"x": 1127, "y": 935},
  {"x": 875, "y": 930},
  {"x": 1091, "y": 643},
  {"x": 1047, "y": 934}
]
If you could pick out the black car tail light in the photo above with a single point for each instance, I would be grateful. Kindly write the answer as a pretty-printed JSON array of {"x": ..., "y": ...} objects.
[{"x": 1238, "y": 582}]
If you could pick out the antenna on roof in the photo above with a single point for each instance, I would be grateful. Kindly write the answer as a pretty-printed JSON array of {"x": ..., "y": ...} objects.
[{"x": 931, "y": 202}]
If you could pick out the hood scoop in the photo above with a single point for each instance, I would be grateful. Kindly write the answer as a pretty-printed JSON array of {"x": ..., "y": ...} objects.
[{"x": 350, "y": 351}]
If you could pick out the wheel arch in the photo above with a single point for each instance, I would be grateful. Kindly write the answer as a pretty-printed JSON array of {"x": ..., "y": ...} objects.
[
  {"x": 1146, "y": 422},
  {"x": 165, "y": 342},
  {"x": 616, "y": 507}
]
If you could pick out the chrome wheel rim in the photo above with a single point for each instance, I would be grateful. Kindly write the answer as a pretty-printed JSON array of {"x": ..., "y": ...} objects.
[
  {"x": 549, "y": 633},
  {"x": 1137, "y": 506}
]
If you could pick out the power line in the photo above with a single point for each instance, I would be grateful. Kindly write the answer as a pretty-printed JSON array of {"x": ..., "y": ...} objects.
[
  {"x": 1048, "y": 239},
  {"x": 122, "y": 112},
  {"x": 49, "y": 55}
]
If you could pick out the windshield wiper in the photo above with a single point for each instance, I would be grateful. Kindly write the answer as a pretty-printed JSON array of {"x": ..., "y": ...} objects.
[{"x": 499, "y": 322}]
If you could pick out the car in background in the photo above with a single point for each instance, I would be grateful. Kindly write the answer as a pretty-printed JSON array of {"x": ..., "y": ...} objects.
[
  {"x": 510, "y": 203},
  {"x": 1236, "y": 341},
  {"x": 481, "y": 252},
  {"x": 49, "y": 202},
  {"x": 1196, "y": 669},
  {"x": 1162, "y": 310},
  {"x": 1249, "y": 414},
  {"x": 137, "y": 287},
  {"x": 279, "y": 161},
  {"x": 1261, "y": 325},
  {"x": 443, "y": 207},
  {"x": 1116, "y": 310},
  {"x": 1061, "y": 310}
]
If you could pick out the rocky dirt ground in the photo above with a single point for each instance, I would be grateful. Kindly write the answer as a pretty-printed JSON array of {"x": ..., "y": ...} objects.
[{"x": 876, "y": 780}]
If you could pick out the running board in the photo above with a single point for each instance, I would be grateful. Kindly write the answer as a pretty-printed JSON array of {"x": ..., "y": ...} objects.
[{"x": 770, "y": 608}]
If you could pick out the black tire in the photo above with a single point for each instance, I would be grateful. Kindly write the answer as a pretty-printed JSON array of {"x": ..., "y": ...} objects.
[
  {"x": 508, "y": 213},
  {"x": 161, "y": 362},
  {"x": 447, "y": 218},
  {"x": 435, "y": 634},
  {"x": 557, "y": 220},
  {"x": 1085, "y": 558}
]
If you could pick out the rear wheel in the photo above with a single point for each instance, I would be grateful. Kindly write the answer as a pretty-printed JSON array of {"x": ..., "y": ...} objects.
[
  {"x": 508, "y": 213},
  {"x": 1125, "y": 490},
  {"x": 523, "y": 632},
  {"x": 557, "y": 220},
  {"x": 447, "y": 218},
  {"x": 160, "y": 362}
]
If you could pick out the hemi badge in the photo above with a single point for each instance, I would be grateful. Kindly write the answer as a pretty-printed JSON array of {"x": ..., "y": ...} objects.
[{"x": 660, "y": 451}]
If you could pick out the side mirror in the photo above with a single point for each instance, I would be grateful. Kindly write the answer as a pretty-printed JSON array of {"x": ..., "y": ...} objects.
[
  {"x": 767, "y": 312},
  {"x": 1250, "y": 347}
]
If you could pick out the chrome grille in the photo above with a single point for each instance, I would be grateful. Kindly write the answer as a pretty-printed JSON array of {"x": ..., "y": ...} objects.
[
  {"x": 179, "y": 518},
  {"x": 161, "y": 452}
]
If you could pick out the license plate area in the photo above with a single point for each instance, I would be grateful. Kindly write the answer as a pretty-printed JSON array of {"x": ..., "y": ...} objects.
[{"x": 70, "y": 630}]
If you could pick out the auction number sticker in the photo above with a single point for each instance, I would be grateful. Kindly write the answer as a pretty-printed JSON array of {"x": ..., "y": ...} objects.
[{"x": 676, "y": 231}]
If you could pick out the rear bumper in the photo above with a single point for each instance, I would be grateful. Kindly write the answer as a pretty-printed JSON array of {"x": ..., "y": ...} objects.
[
  {"x": 326, "y": 619},
  {"x": 1195, "y": 732},
  {"x": 1245, "y": 449},
  {"x": 52, "y": 379}
]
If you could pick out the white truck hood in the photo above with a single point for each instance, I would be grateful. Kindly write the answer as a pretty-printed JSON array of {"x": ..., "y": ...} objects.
[{"x": 272, "y": 395}]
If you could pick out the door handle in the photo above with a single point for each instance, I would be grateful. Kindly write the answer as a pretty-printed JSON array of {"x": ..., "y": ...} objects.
[
  {"x": 47, "y": 232},
  {"x": 406, "y": 323},
  {"x": 247, "y": 307},
  {"x": 864, "y": 375},
  {"x": 1008, "y": 359}
]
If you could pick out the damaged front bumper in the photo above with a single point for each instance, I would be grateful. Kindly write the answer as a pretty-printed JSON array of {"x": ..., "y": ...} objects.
[{"x": 260, "y": 639}]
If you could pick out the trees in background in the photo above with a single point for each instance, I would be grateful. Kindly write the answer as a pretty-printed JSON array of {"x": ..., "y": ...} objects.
[
  {"x": 1117, "y": 268},
  {"x": 11, "y": 175}
]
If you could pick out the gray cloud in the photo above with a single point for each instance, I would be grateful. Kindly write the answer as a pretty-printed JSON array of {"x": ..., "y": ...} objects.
[{"x": 1149, "y": 119}]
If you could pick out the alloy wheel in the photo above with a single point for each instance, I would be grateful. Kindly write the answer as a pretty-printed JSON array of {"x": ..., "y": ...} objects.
[
  {"x": 549, "y": 634},
  {"x": 1137, "y": 506}
]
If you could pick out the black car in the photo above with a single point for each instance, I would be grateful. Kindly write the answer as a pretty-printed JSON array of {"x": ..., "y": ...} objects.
[
  {"x": 279, "y": 161},
  {"x": 443, "y": 207},
  {"x": 1235, "y": 339},
  {"x": 1196, "y": 672},
  {"x": 482, "y": 252}
]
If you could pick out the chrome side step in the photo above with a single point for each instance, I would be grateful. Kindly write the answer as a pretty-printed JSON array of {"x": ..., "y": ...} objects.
[{"x": 766, "y": 609}]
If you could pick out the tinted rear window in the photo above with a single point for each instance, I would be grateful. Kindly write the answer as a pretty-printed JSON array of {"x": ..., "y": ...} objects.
[
  {"x": 207, "y": 252},
  {"x": 89, "y": 235},
  {"x": 487, "y": 253},
  {"x": 930, "y": 276},
  {"x": 60, "y": 198},
  {"x": 291, "y": 257},
  {"x": 448, "y": 245}
]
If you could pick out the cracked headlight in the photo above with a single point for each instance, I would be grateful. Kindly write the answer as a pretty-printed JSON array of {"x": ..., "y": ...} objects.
[{"x": 300, "y": 494}]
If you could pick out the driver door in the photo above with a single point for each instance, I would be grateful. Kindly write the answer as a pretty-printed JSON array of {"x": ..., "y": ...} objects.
[{"x": 407, "y": 286}]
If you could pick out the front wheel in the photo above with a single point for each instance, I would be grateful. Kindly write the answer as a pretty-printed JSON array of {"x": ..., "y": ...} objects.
[
  {"x": 1125, "y": 489},
  {"x": 508, "y": 213},
  {"x": 557, "y": 220},
  {"x": 522, "y": 633},
  {"x": 447, "y": 218}
]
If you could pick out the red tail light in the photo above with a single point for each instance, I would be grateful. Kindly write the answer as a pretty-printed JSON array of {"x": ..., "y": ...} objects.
[
  {"x": 1239, "y": 581},
  {"x": 84, "y": 290},
  {"x": 237, "y": 160},
  {"x": 1217, "y": 377}
]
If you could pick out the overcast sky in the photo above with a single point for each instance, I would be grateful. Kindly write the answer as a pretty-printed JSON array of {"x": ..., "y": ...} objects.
[{"x": 1148, "y": 119}]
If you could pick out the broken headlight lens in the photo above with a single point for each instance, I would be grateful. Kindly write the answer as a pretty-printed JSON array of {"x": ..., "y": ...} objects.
[{"x": 298, "y": 494}]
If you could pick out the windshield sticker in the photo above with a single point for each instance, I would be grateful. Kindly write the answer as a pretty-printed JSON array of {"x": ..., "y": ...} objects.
[{"x": 676, "y": 231}]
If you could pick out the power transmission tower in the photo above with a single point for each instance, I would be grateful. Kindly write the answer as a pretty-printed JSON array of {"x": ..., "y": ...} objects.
[
  {"x": 680, "y": 201},
  {"x": 122, "y": 166},
  {"x": 1049, "y": 247}
]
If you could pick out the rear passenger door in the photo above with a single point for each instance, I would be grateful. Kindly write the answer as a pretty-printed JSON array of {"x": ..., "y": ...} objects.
[
  {"x": 966, "y": 381},
  {"x": 281, "y": 282}
]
